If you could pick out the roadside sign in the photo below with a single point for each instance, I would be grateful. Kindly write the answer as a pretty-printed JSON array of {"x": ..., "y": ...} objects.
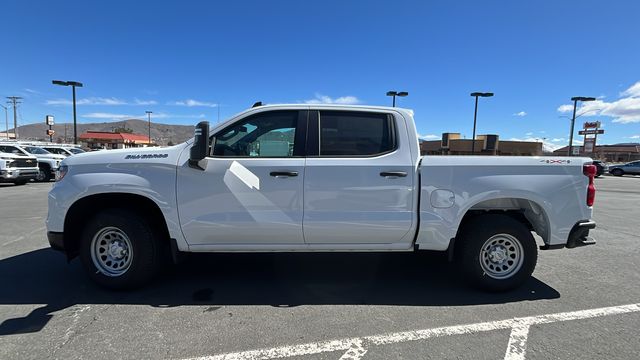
[
  {"x": 575, "y": 150},
  {"x": 49, "y": 120},
  {"x": 592, "y": 125},
  {"x": 589, "y": 145},
  {"x": 591, "y": 132},
  {"x": 51, "y": 132}
]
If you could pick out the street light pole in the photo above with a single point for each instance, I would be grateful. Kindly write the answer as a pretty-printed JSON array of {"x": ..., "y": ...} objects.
[
  {"x": 396, "y": 93},
  {"x": 475, "y": 116},
  {"x": 149, "y": 117},
  {"x": 75, "y": 123},
  {"x": 73, "y": 85},
  {"x": 575, "y": 100}
]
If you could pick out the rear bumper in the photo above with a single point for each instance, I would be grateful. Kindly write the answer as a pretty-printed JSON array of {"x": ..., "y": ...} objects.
[
  {"x": 56, "y": 240},
  {"x": 578, "y": 237}
]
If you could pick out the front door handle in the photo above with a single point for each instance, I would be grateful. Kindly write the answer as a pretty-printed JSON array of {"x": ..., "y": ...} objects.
[
  {"x": 393, "y": 174},
  {"x": 283, "y": 173}
]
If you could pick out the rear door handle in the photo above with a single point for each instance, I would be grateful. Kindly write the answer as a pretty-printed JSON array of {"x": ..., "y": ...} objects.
[
  {"x": 283, "y": 173},
  {"x": 393, "y": 174}
]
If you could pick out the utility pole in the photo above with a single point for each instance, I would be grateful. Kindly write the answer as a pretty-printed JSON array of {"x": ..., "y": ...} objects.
[
  {"x": 149, "y": 116},
  {"x": 15, "y": 102}
]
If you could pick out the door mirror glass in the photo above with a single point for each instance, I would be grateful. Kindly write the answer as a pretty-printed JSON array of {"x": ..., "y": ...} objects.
[{"x": 200, "y": 148}]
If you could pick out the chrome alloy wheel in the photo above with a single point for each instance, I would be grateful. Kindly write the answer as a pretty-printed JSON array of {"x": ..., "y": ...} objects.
[
  {"x": 111, "y": 251},
  {"x": 501, "y": 256}
]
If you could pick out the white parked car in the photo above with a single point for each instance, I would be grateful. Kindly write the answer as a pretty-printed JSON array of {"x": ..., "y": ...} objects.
[{"x": 316, "y": 178}]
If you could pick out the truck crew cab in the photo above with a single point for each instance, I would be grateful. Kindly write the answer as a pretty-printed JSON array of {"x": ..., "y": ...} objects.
[{"x": 316, "y": 178}]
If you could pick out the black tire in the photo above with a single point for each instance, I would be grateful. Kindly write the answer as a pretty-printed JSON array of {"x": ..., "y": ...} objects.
[
  {"x": 20, "y": 182},
  {"x": 617, "y": 172},
  {"x": 44, "y": 173},
  {"x": 144, "y": 249},
  {"x": 487, "y": 231}
]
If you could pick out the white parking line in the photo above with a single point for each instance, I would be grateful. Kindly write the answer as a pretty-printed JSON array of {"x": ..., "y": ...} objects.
[{"x": 356, "y": 348}]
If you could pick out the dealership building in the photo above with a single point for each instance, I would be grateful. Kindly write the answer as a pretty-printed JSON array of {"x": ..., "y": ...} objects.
[
  {"x": 453, "y": 144},
  {"x": 113, "y": 140}
]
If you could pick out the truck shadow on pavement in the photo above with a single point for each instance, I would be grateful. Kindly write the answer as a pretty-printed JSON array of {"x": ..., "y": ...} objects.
[{"x": 276, "y": 279}]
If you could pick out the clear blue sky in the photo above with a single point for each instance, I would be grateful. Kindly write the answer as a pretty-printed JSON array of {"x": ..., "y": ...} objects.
[{"x": 134, "y": 56}]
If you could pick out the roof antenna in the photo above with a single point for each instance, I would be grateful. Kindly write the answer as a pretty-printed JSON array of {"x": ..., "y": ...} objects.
[{"x": 256, "y": 104}]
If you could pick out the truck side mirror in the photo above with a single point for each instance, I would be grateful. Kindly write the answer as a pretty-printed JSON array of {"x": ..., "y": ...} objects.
[{"x": 200, "y": 148}]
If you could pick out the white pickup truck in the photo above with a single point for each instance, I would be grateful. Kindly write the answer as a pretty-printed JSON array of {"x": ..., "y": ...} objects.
[
  {"x": 17, "y": 167},
  {"x": 316, "y": 178}
]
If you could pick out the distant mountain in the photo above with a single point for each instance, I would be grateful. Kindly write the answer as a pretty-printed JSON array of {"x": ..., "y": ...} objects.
[{"x": 160, "y": 133}]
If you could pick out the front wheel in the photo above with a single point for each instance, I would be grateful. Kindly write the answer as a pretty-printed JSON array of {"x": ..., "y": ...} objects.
[
  {"x": 496, "y": 252},
  {"x": 119, "y": 249},
  {"x": 617, "y": 172},
  {"x": 44, "y": 174}
]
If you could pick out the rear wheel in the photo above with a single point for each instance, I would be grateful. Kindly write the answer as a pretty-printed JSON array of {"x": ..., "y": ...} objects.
[
  {"x": 496, "y": 252},
  {"x": 20, "y": 182},
  {"x": 617, "y": 172},
  {"x": 119, "y": 249}
]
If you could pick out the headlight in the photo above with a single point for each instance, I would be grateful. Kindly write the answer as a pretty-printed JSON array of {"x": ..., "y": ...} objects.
[{"x": 62, "y": 171}]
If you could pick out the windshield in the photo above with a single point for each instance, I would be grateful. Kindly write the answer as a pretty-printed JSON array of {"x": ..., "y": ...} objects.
[
  {"x": 59, "y": 151},
  {"x": 36, "y": 150},
  {"x": 75, "y": 150},
  {"x": 12, "y": 150}
]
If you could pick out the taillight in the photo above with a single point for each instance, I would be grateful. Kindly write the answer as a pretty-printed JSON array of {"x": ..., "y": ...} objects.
[{"x": 590, "y": 171}]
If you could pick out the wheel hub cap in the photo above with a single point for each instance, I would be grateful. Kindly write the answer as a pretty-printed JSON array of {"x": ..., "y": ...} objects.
[
  {"x": 111, "y": 251},
  {"x": 498, "y": 254},
  {"x": 501, "y": 256}
]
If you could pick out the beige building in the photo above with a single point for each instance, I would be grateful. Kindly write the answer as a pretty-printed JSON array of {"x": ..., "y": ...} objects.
[
  {"x": 625, "y": 152},
  {"x": 453, "y": 144}
]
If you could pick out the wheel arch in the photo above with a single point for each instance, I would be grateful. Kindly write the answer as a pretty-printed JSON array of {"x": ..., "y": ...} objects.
[
  {"x": 85, "y": 208},
  {"x": 526, "y": 211}
]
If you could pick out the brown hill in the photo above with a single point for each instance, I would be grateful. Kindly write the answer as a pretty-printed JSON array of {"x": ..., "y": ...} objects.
[{"x": 163, "y": 134}]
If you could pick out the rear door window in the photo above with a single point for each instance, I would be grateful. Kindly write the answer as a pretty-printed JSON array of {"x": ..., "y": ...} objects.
[{"x": 356, "y": 134}]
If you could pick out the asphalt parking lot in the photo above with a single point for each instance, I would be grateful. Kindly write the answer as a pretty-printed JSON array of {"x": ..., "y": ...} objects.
[{"x": 581, "y": 303}]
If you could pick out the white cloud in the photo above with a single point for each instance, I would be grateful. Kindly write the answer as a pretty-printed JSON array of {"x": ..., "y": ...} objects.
[
  {"x": 624, "y": 110},
  {"x": 101, "y": 115},
  {"x": 529, "y": 134},
  {"x": 521, "y": 113},
  {"x": 429, "y": 137},
  {"x": 192, "y": 103},
  {"x": 144, "y": 102},
  {"x": 634, "y": 137},
  {"x": 343, "y": 100},
  {"x": 565, "y": 108},
  {"x": 100, "y": 101},
  {"x": 557, "y": 139},
  {"x": 154, "y": 116},
  {"x": 31, "y": 91},
  {"x": 633, "y": 91}
]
